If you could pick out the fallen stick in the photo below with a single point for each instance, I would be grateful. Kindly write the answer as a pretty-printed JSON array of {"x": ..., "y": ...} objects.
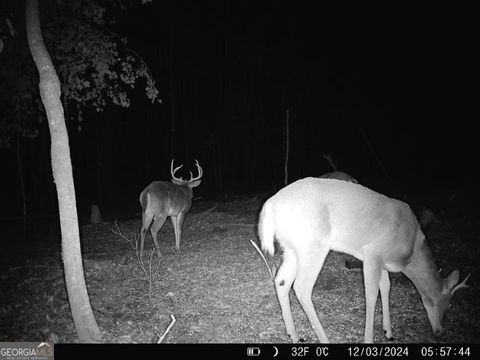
[
  {"x": 263, "y": 257},
  {"x": 160, "y": 339}
]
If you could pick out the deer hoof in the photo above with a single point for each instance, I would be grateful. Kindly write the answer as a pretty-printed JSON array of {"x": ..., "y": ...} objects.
[{"x": 391, "y": 338}]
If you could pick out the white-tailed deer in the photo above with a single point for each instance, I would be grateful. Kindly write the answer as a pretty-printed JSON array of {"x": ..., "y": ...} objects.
[
  {"x": 339, "y": 175},
  {"x": 312, "y": 216},
  {"x": 161, "y": 199}
]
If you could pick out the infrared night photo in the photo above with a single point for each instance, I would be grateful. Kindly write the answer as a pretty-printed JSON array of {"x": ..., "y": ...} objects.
[{"x": 238, "y": 172}]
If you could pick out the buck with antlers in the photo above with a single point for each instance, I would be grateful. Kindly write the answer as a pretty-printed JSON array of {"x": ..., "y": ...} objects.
[
  {"x": 312, "y": 216},
  {"x": 162, "y": 199}
]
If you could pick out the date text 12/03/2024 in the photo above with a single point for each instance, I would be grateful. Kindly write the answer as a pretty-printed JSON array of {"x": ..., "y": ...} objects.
[{"x": 411, "y": 350}]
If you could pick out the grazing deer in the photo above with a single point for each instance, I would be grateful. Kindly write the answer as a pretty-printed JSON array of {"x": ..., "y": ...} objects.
[
  {"x": 312, "y": 216},
  {"x": 339, "y": 175},
  {"x": 161, "y": 199}
]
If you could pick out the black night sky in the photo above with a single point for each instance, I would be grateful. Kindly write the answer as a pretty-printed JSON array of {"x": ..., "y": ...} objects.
[{"x": 388, "y": 99}]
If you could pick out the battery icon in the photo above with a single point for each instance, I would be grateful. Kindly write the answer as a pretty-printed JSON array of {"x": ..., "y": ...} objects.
[{"x": 253, "y": 351}]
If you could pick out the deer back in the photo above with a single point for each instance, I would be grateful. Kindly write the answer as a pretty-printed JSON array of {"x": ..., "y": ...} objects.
[
  {"x": 345, "y": 217},
  {"x": 162, "y": 197}
]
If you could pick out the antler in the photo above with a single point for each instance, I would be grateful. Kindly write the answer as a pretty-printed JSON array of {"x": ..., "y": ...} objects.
[
  {"x": 200, "y": 172},
  {"x": 461, "y": 285},
  {"x": 199, "y": 168},
  {"x": 172, "y": 171}
]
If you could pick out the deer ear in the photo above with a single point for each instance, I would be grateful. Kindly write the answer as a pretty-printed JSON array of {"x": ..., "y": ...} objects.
[
  {"x": 194, "y": 183},
  {"x": 452, "y": 279}
]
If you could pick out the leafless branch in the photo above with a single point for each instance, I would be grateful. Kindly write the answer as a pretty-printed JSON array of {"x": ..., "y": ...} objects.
[
  {"x": 160, "y": 339},
  {"x": 263, "y": 257}
]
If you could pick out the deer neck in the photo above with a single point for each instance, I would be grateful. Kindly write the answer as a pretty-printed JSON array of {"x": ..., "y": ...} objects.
[{"x": 422, "y": 271}]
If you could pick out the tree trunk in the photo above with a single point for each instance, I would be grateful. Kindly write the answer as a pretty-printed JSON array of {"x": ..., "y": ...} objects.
[
  {"x": 22, "y": 188},
  {"x": 85, "y": 324},
  {"x": 287, "y": 146},
  {"x": 173, "y": 88}
]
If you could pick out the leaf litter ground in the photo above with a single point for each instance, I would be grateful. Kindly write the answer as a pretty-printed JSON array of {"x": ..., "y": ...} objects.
[{"x": 217, "y": 287}]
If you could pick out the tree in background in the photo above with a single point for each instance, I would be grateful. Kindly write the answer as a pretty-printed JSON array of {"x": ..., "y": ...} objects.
[
  {"x": 95, "y": 67},
  {"x": 94, "y": 64}
]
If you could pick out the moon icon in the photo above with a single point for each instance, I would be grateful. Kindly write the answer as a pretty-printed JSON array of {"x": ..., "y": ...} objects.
[{"x": 276, "y": 351}]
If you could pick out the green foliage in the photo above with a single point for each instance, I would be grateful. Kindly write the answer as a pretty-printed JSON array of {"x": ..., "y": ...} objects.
[{"x": 94, "y": 64}]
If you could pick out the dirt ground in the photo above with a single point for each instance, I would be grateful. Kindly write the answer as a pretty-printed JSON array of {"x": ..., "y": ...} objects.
[{"x": 217, "y": 288}]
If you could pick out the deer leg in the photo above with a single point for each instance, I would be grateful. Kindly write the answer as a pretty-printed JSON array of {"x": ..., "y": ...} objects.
[
  {"x": 156, "y": 226},
  {"x": 310, "y": 264},
  {"x": 146, "y": 221},
  {"x": 384, "y": 293},
  {"x": 177, "y": 222},
  {"x": 283, "y": 283},
  {"x": 371, "y": 274}
]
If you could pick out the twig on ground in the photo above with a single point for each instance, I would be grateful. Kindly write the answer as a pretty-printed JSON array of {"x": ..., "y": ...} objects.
[
  {"x": 199, "y": 217},
  {"x": 160, "y": 339},
  {"x": 263, "y": 257},
  {"x": 211, "y": 209},
  {"x": 119, "y": 233},
  {"x": 152, "y": 271}
]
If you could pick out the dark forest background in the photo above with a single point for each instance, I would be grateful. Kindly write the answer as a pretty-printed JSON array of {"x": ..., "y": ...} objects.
[{"x": 389, "y": 97}]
